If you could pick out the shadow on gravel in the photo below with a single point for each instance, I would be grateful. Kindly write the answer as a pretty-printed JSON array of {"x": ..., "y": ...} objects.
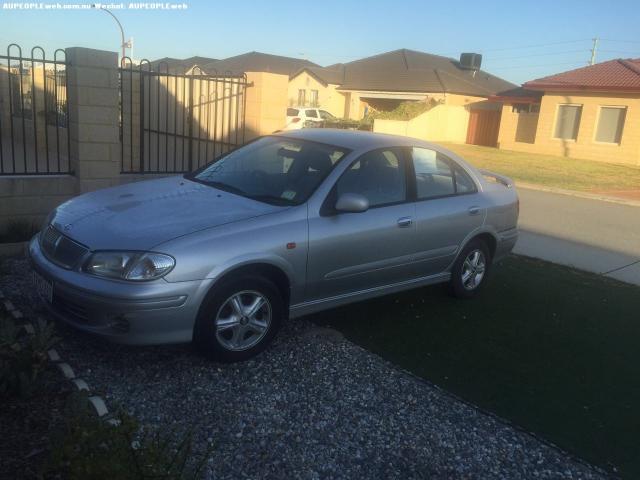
[{"x": 312, "y": 406}]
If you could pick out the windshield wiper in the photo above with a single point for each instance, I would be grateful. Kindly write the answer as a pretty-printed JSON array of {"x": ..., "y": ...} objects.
[{"x": 224, "y": 186}]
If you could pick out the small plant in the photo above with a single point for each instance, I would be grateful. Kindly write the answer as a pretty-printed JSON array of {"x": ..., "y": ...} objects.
[
  {"x": 23, "y": 358},
  {"x": 90, "y": 448},
  {"x": 18, "y": 230}
]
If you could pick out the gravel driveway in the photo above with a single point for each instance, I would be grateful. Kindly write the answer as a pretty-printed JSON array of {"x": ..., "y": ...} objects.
[{"x": 313, "y": 406}]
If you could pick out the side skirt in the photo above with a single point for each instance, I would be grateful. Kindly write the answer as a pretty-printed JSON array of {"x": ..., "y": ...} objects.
[{"x": 306, "y": 308}]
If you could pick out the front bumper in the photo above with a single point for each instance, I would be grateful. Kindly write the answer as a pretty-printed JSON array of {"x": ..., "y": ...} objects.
[{"x": 148, "y": 313}]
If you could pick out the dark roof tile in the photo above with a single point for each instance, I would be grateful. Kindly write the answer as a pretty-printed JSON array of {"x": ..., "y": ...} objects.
[
  {"x": 178, "y": 66},
  {"x": 412, "y": 71},
  {"x": 258, "y": 62}
]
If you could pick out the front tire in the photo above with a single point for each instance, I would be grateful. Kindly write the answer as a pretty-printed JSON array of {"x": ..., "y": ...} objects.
[
  {"x": 470, "y": 269},
  {"x": 239, "y": 319}
]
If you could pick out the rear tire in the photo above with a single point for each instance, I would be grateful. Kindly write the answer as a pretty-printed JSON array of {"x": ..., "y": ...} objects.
[
  {"x": 239, "y": 319},
  {"x": 470, "y": 270}
]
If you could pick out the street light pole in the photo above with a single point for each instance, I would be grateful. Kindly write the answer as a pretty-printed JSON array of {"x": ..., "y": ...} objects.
[{"x": 123, "y": 44}]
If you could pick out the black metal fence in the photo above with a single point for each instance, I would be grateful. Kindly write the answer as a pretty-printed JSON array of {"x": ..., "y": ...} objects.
[
  {"x": 176, "y": 122},
  {"x": 34, "y": 116}
]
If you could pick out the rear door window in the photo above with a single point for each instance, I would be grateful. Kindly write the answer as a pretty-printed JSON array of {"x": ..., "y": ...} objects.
[
  {"x": 438, "y": 176},
  {"x": 292, "y": 112},
  {"x": 434, "y": 177},
  {"x": 311, "y": 114},
  {"x": 464, "y": 184}
]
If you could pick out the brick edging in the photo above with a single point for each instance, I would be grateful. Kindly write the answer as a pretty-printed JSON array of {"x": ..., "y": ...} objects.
[{"x": 96, "y": 401}]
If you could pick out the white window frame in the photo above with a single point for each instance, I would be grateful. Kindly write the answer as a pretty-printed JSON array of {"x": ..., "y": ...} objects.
[
  {"x": 302, "y": 91},
  {"x": 555, "y": 122},
  {"x": 527, "y": 111},
  {"x": 595, "y": 130},
  {"x": 314, "y": 102}
]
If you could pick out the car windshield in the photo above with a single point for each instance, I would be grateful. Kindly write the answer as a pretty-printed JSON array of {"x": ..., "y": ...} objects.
[{"x": 274, "y": 170}]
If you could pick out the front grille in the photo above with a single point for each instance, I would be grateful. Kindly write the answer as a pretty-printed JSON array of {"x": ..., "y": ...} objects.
[
  {"x": 60, "y": 249},
  {"x": 70, "y": 309}
]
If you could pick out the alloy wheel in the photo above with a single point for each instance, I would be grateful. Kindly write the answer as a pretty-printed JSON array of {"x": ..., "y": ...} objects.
[
  {"x": 473, "y": 269},
  {"x": 243, "y": 320}
]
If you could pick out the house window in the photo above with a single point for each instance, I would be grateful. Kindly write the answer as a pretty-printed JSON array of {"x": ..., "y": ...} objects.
[
  {"x": 610, "y": 124},
  {"x": 302, "y": 97},
  {"x": 314, "y": 98},
  {"x": 520, "y": 108},
  {"x": 568, "y": 121},
  {"x": 525, "y": 108}
]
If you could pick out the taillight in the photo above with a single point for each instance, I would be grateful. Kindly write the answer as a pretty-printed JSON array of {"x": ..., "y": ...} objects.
[{"x": 295, "y": 120}]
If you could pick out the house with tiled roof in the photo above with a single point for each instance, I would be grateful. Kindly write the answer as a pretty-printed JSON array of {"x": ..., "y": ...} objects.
[
  {"x": 591, "y": 112},
  {"x": 459, "y": 87}
]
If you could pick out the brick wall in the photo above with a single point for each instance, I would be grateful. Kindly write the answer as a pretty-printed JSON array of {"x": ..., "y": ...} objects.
[{"x": 585, "y": 146}]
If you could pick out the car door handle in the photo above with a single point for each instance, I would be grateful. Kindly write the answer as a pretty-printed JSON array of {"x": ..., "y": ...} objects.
[
  {"x": 474, "y": 210},
  {"x": 405, "y": 222}
]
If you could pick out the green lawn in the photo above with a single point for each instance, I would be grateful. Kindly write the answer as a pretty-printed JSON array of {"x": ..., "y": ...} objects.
[
  {"x": 550, "y": 170},
  {"x": 555, "y": 350}
]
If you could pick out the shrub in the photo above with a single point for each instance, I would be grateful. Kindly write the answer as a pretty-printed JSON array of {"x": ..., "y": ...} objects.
[
  {"x": 347, "y": 124},
  {"x": 88, "y": 447},
  {"x": 406, "y": 110},
  {"x": 23, "y": 357}
]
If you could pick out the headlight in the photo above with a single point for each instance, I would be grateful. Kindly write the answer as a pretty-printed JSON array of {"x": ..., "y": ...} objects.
[{"x": 137, "y": 266}]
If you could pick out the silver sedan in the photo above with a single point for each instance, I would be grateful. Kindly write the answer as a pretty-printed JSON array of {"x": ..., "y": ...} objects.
[{"x": 284, "y": 226}]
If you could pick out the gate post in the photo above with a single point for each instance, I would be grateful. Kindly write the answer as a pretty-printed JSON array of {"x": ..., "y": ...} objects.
[
  {"x": 266, "y": 103},
  {"x": 190, "y": 124},
  {"x": 93, "y": 102}
]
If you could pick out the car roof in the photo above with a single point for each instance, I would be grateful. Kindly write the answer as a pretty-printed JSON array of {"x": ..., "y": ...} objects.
[{"x": 355, "y": 139}]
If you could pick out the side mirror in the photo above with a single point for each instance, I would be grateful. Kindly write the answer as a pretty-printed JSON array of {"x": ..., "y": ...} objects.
[{"x": 352, "y": 203}]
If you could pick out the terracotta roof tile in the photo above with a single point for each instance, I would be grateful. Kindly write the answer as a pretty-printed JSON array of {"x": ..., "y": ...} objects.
[{"x": 611, "y": 75}]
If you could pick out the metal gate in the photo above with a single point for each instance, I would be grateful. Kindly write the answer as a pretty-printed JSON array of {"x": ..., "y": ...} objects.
[
  {"x": 34, "y": 117},
  {"x": 175, "y": 123}
]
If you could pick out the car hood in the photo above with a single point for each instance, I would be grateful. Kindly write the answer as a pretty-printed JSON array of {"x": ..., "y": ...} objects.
[{"x": 139, "y": 216}]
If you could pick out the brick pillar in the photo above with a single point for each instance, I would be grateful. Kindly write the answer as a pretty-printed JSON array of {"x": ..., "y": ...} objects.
[
  {"x": 267, "y": 101},
  {"x": 93, "y": 101}
]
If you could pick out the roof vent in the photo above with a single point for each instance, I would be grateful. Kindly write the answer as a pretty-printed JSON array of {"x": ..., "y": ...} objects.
[{"x": 470, "y": 61}]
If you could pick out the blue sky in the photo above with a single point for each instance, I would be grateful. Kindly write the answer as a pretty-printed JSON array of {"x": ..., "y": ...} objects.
[{"x": 519, "y": 40}]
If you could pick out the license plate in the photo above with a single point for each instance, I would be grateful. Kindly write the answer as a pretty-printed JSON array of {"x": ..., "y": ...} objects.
[{"x": 43, "y": 287}]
